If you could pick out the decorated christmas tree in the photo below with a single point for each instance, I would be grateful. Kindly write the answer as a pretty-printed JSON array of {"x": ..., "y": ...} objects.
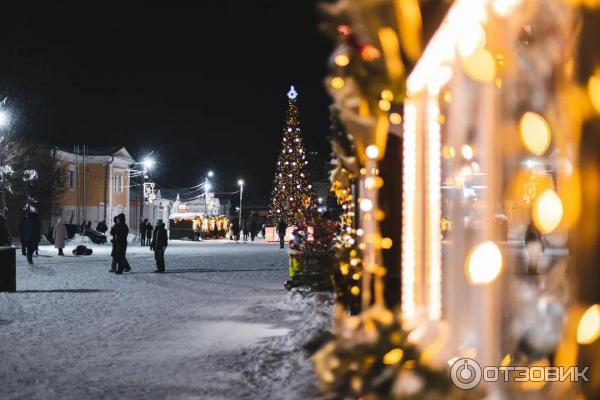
[{"x": 292, "y": 190}]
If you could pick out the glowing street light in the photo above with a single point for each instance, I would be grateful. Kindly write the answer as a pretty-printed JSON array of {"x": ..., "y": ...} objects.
[
  {"x": 4, "y": 118},
  {"x": 210, "y": 174},
  {"x": 148, "y": 163}
]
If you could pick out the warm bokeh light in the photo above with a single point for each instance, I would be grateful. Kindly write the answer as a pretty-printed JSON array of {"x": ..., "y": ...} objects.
[
  {"x": 467, "y": 152},
  {"x": 341, "y": 60},
  {"x": 386, "y": 243},
  {"x": 337, "y": 82},
  {"x": 393, "y": 357},
  {"x": 366, "y": 205},
  {"x": 547, "y": 211},
  {"x": 387, "y": 94},
  {"x": 593, "y": 88},
  {"x": 448, "y": 152},
  {"x": 372, "y": 151},
  {"x": 395, "y": 118},
  {"x": 484, "y": 263},
  {"x": 534, "y": 131},
  {"x": 480, "y": 66},
  {"x": 384, "y": 105},
  {"x": 588, "y": 329}
]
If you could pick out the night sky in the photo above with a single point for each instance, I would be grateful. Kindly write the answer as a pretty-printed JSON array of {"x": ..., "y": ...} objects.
[{"x": 202, "y": 86}]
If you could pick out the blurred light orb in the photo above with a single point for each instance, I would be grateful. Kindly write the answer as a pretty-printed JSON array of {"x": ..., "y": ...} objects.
[
  {"x": 534, "y": 131},
  {"x": 467, "y": 152},
  {"x": 593, "y": 88},
  {"x": 448, "y": 152},
  {"x": 588, "y": 330},
  {"x": 547, "y": 211},
  {"x": 148, "y": 163},
  {"x": 372, "y": 151},
  {"x": 384, "y": 105},
  {"x": 395, "y": 118},
  {"x": 341, "y": 60},
  {"x": 480, "y": 66},
  {"x": 484, "y": 263},
  {"x": 387, "y": 94},
  {"x": 366, "y": 205},
  {"x": 4, "y": 118},
  {"x": 337, "y": 82}
]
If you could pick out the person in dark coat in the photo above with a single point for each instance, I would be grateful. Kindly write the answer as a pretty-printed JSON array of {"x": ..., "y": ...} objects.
[
  {"x": 253, "y": 227},
  {"x": 143, "y": 227},
  {"x": 5, "y": 239},
  {"x": 148, "y": 233},
  {"x": 235, "y": 228},
  {"x": 281, "y": 229},
  {"x": 159, "y": 244},
  {"x": 30, "y": 229},
  {"x": 119, "y": 233},
  {"x": 245, "y": 231}
]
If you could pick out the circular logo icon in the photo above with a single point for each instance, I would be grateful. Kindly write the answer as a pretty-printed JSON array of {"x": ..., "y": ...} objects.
[{"x": 465, "y": 373}]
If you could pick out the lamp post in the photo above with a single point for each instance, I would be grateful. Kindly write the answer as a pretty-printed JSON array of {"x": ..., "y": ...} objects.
[
  {"x": 147, "y": 164},
  {"x": 206, "y": 189},
  {"x": 241, "y": 183},
  {"x": 4, "y": 119}
]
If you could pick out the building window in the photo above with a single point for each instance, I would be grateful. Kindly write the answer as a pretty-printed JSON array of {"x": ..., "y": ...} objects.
[
  {"x": 118, "y": 183},
  {"x": 72, "y": 175}
]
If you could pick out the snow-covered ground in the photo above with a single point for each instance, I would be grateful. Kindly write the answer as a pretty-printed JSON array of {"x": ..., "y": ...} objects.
[{"x": 217, "y": 325}]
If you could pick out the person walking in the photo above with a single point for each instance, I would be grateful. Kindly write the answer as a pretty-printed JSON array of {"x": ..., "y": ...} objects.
[
  {"x": 196, "y": 226},
  {"x": 120, "y": 232},
  {"x": 143, "y": 227},
  {"x": 245, "y": 231},
  {"x": 281, "y": 230},
  {"x": 159, "y": 244},
  {"x": 235, "y": 228},
  {"x": 148, "y": 233},
  {"x": 30, "y": 233},
  {"x": 253, "y": 227},
  {"x": 59, "y": 233}
]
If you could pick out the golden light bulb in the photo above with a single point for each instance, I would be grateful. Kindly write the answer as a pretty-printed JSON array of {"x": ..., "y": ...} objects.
[
  {"x": 593, "y": 88},
  {"x": 372, "y": 151},
  {"x": 484, "y": 263},
  {"x": 386, "y": 243},
  {"x": 534, "y": 132},
  {"x": 467, "y": 152},
  {"x": 337, "y": 82},
  {"x": 588, "y": 330},
  {"x": 341, "y": 60},
  {"x": 395, "y": 118},
  {"x": 480, "y": 66},
  {"x": 547, "y": 211},
  {"x": 387, "y": 94},
  {"x": 385, "y": 105},
  {"x": 393, "y": 357},
  {"x": 355, "y": 290}
]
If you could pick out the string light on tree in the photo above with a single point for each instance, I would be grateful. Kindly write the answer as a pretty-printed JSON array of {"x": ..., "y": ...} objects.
[{"x": 291, "y": 188}]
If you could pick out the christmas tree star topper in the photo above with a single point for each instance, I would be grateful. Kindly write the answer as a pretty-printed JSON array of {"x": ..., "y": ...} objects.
[{"x": 292, "y": 94}]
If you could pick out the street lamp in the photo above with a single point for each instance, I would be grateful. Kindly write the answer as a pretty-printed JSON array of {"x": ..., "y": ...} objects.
[
  {"x": 4, "y": 169},
  {"x": 4, "y": 118},
  {"x": 207, "y": 186},
  {"x": 241, "y": 183}
]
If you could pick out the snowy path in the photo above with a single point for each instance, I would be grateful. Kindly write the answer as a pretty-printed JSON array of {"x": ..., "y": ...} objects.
[{"x": 74, "y": 331}]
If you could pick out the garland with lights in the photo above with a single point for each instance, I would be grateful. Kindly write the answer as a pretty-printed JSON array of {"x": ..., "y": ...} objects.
[{"x": 292, "y": 190}]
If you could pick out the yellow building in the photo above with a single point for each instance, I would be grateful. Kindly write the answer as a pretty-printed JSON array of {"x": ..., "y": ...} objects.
[{"x": 96, "y": 185}]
